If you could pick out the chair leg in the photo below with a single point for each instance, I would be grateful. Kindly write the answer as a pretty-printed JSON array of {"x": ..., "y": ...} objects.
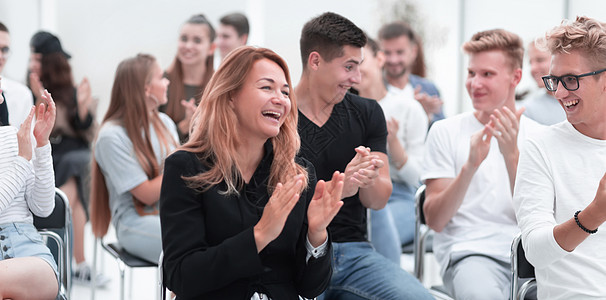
[
  {"x": 94, "y": 269},
  {"x": 159, "y": 286},
  {"x": 130, "y": 283},
  {"x": 122, "y": 268}
]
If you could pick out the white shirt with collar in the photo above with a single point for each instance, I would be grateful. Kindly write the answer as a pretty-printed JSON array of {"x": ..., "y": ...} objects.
[{"x": 19, "y": 100}]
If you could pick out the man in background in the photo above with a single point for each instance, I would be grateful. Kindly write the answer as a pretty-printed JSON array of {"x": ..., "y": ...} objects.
[
  {"x": 400, "y": 45},
  {"x": 542, "y": 106},
  {"x": 17, "y": 96},
  {"x": 232, "y": 33}
]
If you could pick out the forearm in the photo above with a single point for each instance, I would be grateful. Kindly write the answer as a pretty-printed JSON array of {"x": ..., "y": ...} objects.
[
  {"x": 183, "y": 127},
  {"x": 42, "y": 199},
  {"x": 569, "y": 234},
  {"x": 376, "y": 195},
  {"x": 411, "y": 172},
  {"x": 511, "y": 163},
  {"x": 398, "y": 155},
  {"x": 314, "y": 275},
  {"x": 148, "y": 192},
  {"x": 317, "y": 238},
  {"x": 12, "y": 182},
  {"x": 444, "y": 197}
]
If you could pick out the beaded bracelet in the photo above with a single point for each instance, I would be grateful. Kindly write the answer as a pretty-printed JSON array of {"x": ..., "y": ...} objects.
[{"x": 576, "y": 219}]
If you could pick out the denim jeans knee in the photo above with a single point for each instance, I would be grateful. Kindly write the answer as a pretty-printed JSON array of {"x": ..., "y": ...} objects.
[{"x": 359, "y": 272}]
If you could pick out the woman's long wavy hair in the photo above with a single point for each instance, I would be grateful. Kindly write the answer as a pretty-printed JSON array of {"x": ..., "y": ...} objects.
[
  {"x": 128, "y": 108},
  {"x": 213, "y": 130},
  {"x": 174, "y": 73}
]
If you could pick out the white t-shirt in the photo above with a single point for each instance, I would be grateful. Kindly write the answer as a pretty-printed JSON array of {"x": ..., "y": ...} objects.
[
  {"x": 408, "y": 92},
  {"x": 559, "y": 172},
  {"x": 485, "y": 222},
  {"x": 412, "y": 131},
  {"x": 19, "y": 101}
]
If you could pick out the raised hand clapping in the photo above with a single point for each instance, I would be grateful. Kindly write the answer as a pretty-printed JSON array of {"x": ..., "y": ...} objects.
[
  {"x": 324, "y": 206},
  {"x": 45, "y": 119}
]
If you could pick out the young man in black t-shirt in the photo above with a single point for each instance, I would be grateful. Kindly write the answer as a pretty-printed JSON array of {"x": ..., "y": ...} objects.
[{"x": 344, "y": 132}]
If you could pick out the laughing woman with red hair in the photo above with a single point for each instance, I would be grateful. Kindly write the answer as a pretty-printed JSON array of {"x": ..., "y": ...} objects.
[{"x": 240, "y": 216}]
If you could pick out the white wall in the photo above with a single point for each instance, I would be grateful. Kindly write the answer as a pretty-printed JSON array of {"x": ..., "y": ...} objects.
[{"x": 99, "y": 34}]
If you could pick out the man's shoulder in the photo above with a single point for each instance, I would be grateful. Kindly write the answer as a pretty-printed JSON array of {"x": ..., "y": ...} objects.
[
  {"x": 361, "y": 103},
  {"x": 14, "y": 87},
  {"x": 426, "y": 85}
]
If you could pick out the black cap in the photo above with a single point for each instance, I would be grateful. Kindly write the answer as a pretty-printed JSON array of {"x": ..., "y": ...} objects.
[{"x": 46, "y": 43}]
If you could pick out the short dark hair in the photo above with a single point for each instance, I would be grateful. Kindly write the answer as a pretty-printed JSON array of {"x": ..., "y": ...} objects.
[
  {"x": 238, "y": 21},
  {"x": 374, "y": 46},
  {"x": 3, "y": 27},
  {"x": 395, "y": 30},
  {"x": 327, "y": 34}
]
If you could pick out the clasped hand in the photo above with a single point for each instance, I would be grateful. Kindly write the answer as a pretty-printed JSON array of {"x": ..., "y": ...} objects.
[{"x": 361, "y": 171}]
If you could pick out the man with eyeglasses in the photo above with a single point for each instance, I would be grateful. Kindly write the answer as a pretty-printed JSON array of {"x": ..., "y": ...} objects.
[
  {"x": 469, "y": 170},
  {"x": 560, "y": 194},
  {"x": 17, "y": 96}
]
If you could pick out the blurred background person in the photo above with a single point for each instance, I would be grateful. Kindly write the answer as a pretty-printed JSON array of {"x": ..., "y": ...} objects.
[
  {"x": 71, "y": 136},
  {"x": 232, "y": 33},
  {"x": 129, "y": 151},
  {"x": 400, "y": 45},
  {"x": 17, "y": 97},
  {"x": 542, "y": 106},
  {"x": 190, "y": 71},
  {"x": 406, "y": 131}
]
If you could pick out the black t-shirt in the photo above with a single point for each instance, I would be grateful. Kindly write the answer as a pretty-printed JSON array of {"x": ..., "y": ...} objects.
[{"x": 354, "y": 122}]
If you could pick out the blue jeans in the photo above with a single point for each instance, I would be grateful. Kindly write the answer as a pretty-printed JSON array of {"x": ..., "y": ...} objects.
[
  {"x": 384, "y": 234},
  {"x": 359, "y": 272},
  {"x": 402, "y": 206}
]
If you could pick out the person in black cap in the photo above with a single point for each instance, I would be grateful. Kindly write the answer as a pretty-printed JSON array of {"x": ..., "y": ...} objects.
[{"x": 71, "y": 136}]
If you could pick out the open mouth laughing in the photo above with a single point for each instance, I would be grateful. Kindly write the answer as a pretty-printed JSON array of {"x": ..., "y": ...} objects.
[{"x": 570, "y": 103}]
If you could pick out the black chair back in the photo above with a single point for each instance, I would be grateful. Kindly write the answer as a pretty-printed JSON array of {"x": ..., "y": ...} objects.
[
  {"x": 420, "y": 202},
  {"x": 525, "y": 269},
  {"x": 56, "y": 220}
]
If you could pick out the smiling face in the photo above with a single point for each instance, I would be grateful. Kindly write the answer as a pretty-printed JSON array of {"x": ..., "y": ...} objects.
[
  {"x": 539, "y": 64},
  {"x": 156, "y": 88},
  {"x": 586, "y": 107},
  {"x": 370, "y": 69},
  {"x": 35, "y": 63},
  {"x": 491, "y": 81},
  {"x": 228, "y": 39},
  {"x": 194, "y": 44},
  {"x": 263, "y": 103},
  {"x": 400, "y": 53},
  {"x": 334, "y": 78}
]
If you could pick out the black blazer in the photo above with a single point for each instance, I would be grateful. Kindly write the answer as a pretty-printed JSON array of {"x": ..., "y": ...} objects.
[{"x": 208, "y": 242}]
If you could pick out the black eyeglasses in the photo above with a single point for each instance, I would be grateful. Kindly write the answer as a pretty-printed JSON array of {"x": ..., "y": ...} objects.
[
  {"x": 569, "y": 82},
  {"x": 5, "y": 51}
]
